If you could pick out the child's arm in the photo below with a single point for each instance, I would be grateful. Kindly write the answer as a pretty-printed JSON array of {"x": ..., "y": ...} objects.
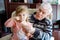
[{"x": 9, "y": 23}]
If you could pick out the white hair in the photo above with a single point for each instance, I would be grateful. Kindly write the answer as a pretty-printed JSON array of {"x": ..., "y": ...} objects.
[{"x": 47, "y": 6}]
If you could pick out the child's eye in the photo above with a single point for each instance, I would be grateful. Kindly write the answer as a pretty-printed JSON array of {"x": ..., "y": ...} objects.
[
  {"x": 19, "y": 15},
  {"x": 43, "y": 12},
  {"x": 23, "y": 14},
  {"x": 40, "y": 10}
]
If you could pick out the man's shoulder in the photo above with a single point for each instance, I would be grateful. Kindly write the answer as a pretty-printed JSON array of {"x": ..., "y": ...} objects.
[
  {"x": 48, "y": 22},
  {"x": 31, "y": 18}
]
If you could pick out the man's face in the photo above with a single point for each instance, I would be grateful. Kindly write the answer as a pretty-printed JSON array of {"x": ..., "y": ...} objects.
[{"x": 41, "y": 13}]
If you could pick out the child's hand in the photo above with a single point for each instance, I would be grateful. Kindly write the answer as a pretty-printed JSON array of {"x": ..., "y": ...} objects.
[
  {"x": 10, "y": 23},
  {"x": 28, "y": 26},
  {"x": 17, "y": 18},
  {"x": 29, "y": 35}
]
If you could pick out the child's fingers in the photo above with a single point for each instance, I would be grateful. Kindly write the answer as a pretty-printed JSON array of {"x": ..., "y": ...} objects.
[{"x": 29, "y": 35}]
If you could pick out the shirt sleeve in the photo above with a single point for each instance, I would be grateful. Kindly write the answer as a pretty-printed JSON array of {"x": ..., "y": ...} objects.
[
  {"x": 48, "y": 28},
  {"x": 43, "y": 34},
  {"x": 9, "y": 23}
]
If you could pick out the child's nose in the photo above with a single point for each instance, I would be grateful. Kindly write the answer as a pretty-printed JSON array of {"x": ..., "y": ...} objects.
[
  {"x": 23, "y": 17},
  {"x": 40, "y": 13}
]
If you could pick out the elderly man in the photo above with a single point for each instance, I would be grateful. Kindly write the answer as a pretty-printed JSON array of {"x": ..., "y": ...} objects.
[{"x": 42, "y": 26}]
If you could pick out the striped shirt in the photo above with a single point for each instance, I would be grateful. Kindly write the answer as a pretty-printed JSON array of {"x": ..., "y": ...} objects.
[{"x": 43, "y": 28}]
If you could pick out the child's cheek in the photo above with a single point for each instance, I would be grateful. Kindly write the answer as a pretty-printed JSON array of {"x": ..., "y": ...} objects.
[{"x": 24, "y": 18}]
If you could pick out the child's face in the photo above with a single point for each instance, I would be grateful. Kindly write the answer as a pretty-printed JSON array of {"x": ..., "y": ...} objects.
[
  {"x": 41, "y": 13},
  {"x": 22, "y": 16}
]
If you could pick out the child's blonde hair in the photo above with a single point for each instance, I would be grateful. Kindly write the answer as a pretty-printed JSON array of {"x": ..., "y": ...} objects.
[{"x": 21, "y": 8}]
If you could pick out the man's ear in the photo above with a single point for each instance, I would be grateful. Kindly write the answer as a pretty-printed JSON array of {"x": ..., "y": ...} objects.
[{"x": 49, "y": 16}]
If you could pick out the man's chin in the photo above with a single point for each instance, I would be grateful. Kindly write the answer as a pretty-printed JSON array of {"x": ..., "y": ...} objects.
[{"x": 41, "y": 18}]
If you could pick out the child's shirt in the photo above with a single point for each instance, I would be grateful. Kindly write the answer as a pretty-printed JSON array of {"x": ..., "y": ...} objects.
[{"x": 18, "y": 33}]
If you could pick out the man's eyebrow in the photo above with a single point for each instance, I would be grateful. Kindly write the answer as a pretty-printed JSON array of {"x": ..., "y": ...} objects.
[{"x": 41, "y": 10}]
